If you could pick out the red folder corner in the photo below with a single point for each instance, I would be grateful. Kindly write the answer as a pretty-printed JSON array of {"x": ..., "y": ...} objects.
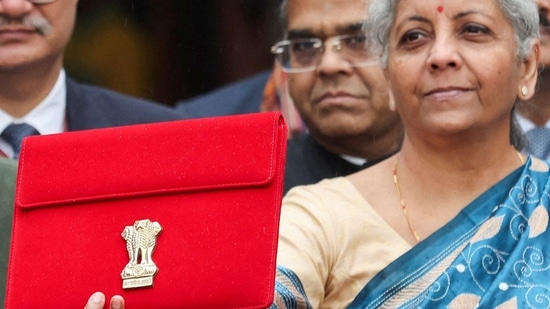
[{"x": 205, "y": 193}]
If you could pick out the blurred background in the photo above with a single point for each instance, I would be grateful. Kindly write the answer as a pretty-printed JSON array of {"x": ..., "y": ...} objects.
[{"x": 168, "y": 50}]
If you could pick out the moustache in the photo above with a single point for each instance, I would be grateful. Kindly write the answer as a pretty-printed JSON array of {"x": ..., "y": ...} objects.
[{"x": 40, "y": 24}]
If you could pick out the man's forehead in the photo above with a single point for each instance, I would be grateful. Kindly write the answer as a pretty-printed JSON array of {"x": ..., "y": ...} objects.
[{"x": 326, "y": 16}]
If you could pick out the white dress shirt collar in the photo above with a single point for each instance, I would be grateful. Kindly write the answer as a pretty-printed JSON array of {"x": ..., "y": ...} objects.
[
  {"x": 526, "y": 124},
  {"x": 47, "y": 117},
  {"x": 354, "y": 160}
]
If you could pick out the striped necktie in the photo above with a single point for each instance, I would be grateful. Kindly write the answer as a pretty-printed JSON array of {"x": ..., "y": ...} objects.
[
  {"x": 539, "y": 142},
  {"x": 14, "y": 135}
]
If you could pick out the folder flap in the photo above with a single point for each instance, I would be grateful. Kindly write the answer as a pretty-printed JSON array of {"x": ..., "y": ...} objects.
[{"x": 118, "y": 163}]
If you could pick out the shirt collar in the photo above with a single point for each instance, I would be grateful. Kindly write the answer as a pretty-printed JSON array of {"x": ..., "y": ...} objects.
[
  {"x": 354, "y": 160},
  {"x": 47, "y": 117},
  {"x": 526, "y": 124}
]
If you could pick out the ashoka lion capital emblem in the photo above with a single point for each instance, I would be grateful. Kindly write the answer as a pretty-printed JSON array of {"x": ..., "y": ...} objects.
[{"x": 141, "y": 239}]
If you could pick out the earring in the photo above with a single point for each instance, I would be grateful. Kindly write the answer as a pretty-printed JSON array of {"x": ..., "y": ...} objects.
[{"x": 524, "y": 91}]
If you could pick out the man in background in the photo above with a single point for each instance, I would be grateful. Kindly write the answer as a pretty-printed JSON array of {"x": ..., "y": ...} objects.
[{"x": 339, "y": 91}]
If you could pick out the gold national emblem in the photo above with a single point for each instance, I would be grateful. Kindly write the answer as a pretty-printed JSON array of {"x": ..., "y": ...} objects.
[{"x": 141, "y": 239}]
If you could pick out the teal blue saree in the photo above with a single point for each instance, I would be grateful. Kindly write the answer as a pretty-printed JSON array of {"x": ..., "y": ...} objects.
[{"x": 494, "y": 254}]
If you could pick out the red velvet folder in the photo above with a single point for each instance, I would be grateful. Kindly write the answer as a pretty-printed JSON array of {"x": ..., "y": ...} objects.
[{"x": 188, "y": 211}]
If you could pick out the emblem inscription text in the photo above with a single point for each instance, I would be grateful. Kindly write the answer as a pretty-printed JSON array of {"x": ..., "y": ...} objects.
[{"x": 141, "y": 239}]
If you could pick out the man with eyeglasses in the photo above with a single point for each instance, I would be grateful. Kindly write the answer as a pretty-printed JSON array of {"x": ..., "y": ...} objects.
[
  {"x": 342, "y": 95},
  {"x": 36, "y": 97},
  {"x": 338, "y": 90}
]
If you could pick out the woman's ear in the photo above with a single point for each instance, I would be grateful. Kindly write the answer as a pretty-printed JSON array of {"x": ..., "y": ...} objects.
[{"x": 529, "y": 73}]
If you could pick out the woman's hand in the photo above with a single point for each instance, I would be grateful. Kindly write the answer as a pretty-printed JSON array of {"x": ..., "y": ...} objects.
[{"x": 97, "y": 301}]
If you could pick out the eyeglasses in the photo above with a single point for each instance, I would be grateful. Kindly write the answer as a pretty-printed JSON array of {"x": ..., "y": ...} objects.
[
  {"x": 41, "y": 1},
  {"x": 304, "y": 55}
]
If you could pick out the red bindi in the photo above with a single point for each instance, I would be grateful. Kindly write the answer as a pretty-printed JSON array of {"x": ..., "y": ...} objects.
[{"x": 440, "y": 9}]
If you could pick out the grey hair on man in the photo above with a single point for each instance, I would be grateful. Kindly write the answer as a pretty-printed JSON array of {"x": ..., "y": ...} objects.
[{"x": 283, "y": 19}]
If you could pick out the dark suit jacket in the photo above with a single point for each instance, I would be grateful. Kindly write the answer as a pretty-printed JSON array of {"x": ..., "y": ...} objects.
[
  {"x": 240, "y": 97},
  {"x": 308, "y": 163},
  {"x": 88, "y": 107}
]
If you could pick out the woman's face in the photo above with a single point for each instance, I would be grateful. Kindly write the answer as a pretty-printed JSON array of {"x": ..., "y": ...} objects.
[{"x": 453, "y": 67}]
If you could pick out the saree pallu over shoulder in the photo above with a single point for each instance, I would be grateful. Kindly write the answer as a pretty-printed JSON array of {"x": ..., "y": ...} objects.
[{"x": 494, "y": 254}]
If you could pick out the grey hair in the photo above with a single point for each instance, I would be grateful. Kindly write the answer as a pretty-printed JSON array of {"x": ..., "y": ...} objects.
[
  {"x": 283, "y": 15},
  {"x": 522, "y": 15}
]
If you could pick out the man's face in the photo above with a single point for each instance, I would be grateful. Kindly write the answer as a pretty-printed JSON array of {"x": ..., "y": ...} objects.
[
  {"x": 544, "y": 9},
  {"x": 34, "y": 33},
  {"x": 337, "y": 100}
]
